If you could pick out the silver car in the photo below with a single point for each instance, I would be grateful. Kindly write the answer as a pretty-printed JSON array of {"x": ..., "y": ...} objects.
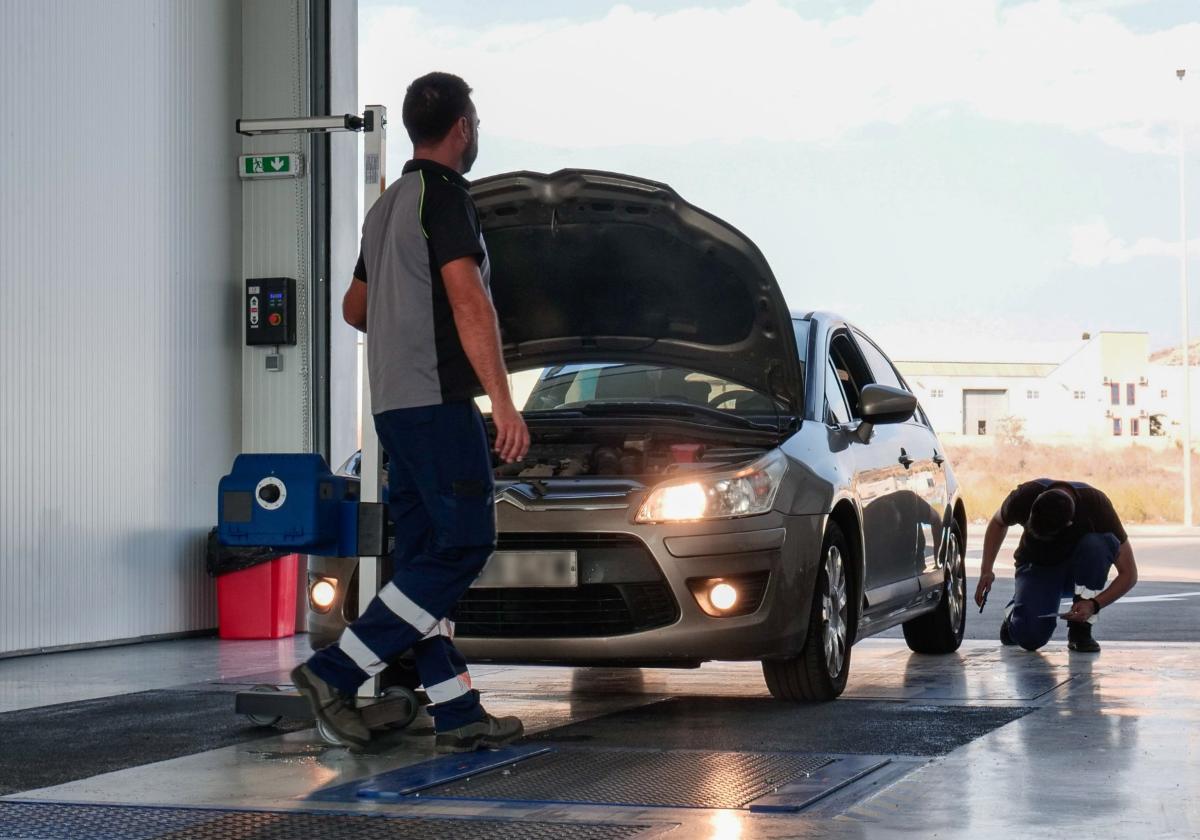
[{"x": 712, "y": 477}]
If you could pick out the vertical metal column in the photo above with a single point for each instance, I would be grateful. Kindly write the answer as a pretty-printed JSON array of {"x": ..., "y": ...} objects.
[
  {"x": 1184, "y": 317},
  {"x": 369, "y": 578}
]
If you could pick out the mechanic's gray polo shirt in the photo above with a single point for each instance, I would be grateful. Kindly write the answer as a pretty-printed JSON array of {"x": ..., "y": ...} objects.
[{"x": 420, "y": 223}]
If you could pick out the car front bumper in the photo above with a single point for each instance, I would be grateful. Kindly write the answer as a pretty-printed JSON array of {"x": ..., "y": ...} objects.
[{"x": 783, "y": 547}]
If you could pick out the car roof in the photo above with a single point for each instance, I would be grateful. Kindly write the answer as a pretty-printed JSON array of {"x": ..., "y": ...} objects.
[{"x": 822, "y": 315}]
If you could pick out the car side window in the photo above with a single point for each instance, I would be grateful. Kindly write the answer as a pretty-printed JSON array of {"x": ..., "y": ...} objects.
[
  {"x": 882, "y": 370},
  {"x": 885, "y": 372},
  {"x": 836, "y": 410},
  {"x": 850, "y": 368}
]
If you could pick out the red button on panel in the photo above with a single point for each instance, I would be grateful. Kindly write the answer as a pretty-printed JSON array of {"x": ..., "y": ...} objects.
[{"x": 273, "y": 319}]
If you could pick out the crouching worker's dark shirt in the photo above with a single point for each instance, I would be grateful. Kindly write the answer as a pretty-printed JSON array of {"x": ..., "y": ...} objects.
[{"x": 1094, "y": 514}]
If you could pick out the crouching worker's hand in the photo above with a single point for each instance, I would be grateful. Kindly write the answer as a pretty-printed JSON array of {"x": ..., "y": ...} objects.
[
  {"x": 1081, "y": 610},
  {"x": 986, "y": 579}
]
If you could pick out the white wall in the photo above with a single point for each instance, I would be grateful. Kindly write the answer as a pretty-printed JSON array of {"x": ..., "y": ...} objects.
[
  {"x": 346, "y": 176},
  {"x": 276, "y": 216},
  {"x": 119, "y": 312}
]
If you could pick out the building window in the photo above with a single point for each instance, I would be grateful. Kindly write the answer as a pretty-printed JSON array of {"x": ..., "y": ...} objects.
[
  {"x": 1162, "y": 395},
  {"x": 1116, "y": 427},
  {"x": 937, "y": 393},
  {"x": 1130, "y": 394},
  {"x": 1079, "y": 395},
  {"x": 1115, "y": 391},
  {"x": 1032, "y": 395},
  {"x": 1135, "y": 428}
]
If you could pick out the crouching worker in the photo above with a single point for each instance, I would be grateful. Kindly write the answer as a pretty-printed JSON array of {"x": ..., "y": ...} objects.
[{"x": 1072, "y": 537}]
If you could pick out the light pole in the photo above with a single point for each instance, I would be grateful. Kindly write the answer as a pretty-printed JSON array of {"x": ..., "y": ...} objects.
[{"x": 1183, "y": 286}]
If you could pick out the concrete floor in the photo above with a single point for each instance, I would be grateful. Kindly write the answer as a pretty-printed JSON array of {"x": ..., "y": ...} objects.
[{"x": 1112, "y": 748}]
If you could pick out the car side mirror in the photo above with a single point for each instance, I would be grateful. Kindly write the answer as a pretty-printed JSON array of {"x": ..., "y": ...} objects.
[{"x": 882, "y": 404}]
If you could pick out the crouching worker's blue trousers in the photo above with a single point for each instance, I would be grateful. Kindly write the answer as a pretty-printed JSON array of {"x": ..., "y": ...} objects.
[
  {"x": 440, "y": 502},
  {"x": 1039, "y": 589}
]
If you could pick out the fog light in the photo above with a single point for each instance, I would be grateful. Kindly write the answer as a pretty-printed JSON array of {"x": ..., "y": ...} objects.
[
  {"x": 322, "y": 593},
  {"x": 723, "y": 596}
]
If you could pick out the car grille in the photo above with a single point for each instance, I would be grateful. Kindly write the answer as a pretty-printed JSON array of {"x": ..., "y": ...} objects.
[
  {"x": 599, "y": 609},
  {"x": 591, "y": 609}
]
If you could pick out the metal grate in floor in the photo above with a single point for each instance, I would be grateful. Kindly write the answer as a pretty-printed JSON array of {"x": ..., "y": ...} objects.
[
  {"x": 683, "y": 779},
  {"x": 53, "y": 821}
]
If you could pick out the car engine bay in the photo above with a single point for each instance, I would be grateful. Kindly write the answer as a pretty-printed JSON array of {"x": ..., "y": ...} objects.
[{"x": 649, "y": 454}]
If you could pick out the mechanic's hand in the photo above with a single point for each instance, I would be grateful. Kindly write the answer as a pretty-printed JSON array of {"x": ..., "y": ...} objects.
[
  {"x": 986, "y": 579},
  {"x": 512, "y": 435},
  {"x": 1081, "y": 611}
]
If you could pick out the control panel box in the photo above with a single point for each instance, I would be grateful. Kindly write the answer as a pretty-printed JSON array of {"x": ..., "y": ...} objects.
[{"x": 270, "y": 305}]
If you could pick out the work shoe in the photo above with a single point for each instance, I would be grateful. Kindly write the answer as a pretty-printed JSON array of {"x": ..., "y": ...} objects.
[
  {"x": 1006, "y": 633},
  {"x": 332, "y": 708},
  {"x": 1079, "y": 637},
  {"x": 488, "y": 734}
]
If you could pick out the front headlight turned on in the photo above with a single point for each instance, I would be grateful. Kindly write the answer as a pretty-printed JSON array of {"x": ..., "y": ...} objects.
[{"x": 747, "y": 492}]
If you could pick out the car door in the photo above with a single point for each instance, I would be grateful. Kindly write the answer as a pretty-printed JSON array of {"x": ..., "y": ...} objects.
[
  {"x": 888, "y": 512},
  {"x": 923, "y": 480}
]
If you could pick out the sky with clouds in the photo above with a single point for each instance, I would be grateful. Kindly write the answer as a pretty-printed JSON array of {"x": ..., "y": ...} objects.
[{"x": 963, "y": 178}]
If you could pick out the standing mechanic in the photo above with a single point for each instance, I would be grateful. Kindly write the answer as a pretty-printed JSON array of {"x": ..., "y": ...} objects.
[
  {"x": 1072, "y": 536},
  {"x": 421, "y": 290}
]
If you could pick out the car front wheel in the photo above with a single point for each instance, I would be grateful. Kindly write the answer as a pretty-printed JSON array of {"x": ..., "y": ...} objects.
[
  {"x": 941, "y": 631},
  {"x": 819, "y": 671}
]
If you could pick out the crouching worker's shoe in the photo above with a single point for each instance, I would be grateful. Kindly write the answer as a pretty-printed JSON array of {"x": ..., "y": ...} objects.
[
  {"x": 1079, "y": 637},
  {"x": 487, "y": 734},
  {"x": 332, "y": 708}
]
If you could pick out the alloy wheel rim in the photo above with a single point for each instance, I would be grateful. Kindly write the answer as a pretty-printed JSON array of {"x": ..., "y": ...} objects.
[
  {"x": 834, "y": 608},
  {"x": 956, "y": 582}
]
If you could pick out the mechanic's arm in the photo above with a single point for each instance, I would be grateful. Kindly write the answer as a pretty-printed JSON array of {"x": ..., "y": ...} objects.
[
  {"x": 993, "y": 538},
  {"x": 479, "y": 332},
  {"x": 354, "y": 305},
  {"x": 1125, "y": 580}
]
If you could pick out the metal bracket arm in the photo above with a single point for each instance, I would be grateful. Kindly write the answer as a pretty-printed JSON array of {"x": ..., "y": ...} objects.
[{"x": 304, "y": 125}]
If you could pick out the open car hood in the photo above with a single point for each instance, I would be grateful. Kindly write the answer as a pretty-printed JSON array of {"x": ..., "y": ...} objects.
[{"x": 596, "y": 266}]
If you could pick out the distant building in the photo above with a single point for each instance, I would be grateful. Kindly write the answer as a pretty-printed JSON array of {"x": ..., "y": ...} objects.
[{"x": 1108, "y": 389}]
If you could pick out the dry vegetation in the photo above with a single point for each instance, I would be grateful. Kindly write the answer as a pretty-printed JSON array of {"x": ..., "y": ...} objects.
[{"x": 1144, "y": 484}]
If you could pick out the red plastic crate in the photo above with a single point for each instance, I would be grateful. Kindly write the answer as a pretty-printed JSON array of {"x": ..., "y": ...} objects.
[{"x": 259, "y": 602}]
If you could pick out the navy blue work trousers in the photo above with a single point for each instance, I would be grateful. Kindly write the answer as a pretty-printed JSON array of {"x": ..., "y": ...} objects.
[
  {"x": 444, "y": 523},
  {"x": 1040, "y": 589}
]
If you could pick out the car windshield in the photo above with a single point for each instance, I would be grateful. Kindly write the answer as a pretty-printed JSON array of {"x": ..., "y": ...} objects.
[{"x": 594, "y": 384}]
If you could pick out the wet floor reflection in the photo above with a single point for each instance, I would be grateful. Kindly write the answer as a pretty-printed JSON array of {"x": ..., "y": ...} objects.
[{"x": 608, "y": 681}]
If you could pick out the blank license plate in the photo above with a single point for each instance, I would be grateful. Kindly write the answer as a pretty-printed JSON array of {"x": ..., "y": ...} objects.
[{"x": 529, "y": 568}]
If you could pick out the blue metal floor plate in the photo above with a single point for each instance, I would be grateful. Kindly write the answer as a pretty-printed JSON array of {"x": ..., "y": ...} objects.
[
  {"x": 540, "y": 775},
  {"x": 76, "y": 821},
  {"x": 406, "y": 781}
]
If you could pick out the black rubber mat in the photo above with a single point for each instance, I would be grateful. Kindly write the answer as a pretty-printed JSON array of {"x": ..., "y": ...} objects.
[
  {"x": 51, "y": 745},
  {"x": 763, "y": 725},
  {"x": 45, "y": 821},
  {"x": 682, "y": 779}
]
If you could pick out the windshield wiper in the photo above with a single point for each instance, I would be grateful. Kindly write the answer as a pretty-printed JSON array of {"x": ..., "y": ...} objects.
[{"x": 676, "y": 408}]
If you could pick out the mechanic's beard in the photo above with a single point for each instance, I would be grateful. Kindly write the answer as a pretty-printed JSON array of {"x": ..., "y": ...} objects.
[{"x": 470, "y": 153}]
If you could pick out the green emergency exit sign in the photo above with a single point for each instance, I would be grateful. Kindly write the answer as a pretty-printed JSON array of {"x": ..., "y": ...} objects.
[{"x": 283, "y": 165}]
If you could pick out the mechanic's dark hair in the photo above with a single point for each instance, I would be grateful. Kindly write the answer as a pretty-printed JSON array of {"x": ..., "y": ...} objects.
[
  {"x": 432, "y": 104},
  {"x": 1051, "y": 512}
]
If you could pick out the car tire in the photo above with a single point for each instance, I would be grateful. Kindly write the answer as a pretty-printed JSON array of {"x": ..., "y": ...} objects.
[
  {"x": 941, "y": 631},
  {"x": 818, "y": 673}
]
